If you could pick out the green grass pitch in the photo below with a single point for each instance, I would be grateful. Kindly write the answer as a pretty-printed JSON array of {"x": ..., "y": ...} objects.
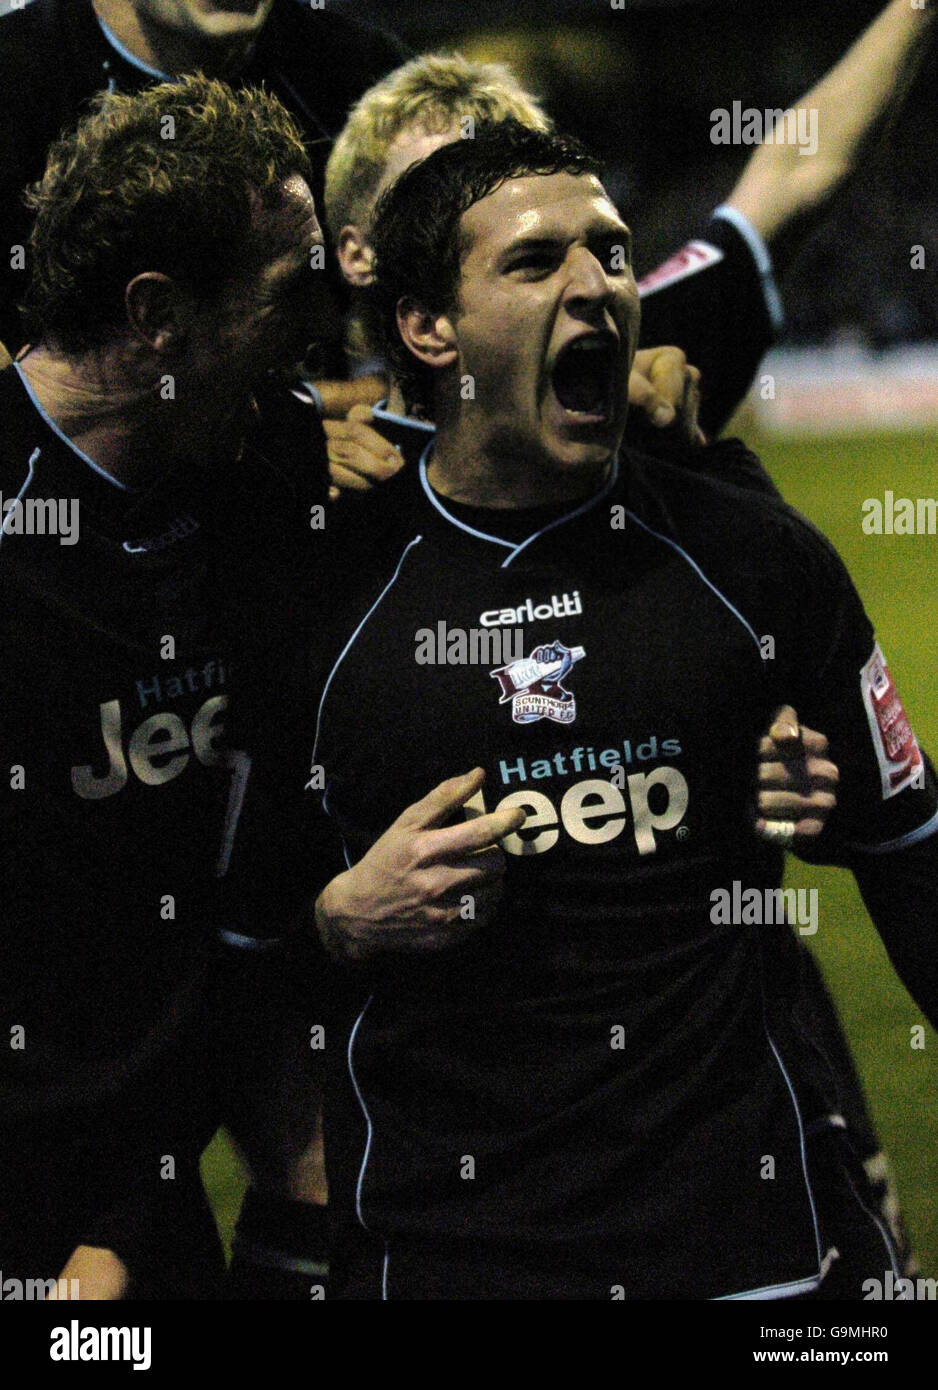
[{"x": 897, "y": 577}]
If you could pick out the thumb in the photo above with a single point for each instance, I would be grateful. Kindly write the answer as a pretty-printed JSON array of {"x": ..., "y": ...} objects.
[
  {"x": 785, "y": 728},
  {"x": 359, "y": 411},
  {"x": 644, "y": 397}
]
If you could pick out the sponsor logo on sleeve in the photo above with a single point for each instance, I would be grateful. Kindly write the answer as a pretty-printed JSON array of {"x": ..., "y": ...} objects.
[
  {"x": 692, "y": 258},
  {"x": 897, "y": 750}
]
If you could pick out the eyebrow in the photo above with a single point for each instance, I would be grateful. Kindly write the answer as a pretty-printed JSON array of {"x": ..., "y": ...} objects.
[{"x": 608, "y": 234}]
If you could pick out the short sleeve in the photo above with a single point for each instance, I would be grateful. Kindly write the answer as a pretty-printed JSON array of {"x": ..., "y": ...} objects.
[
  {"x": 835, "y": 670},
  {"x": 716, "y": 299}
]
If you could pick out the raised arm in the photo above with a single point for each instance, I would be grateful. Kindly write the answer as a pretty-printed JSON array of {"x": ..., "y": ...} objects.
[{"x": 779, "y": 183}]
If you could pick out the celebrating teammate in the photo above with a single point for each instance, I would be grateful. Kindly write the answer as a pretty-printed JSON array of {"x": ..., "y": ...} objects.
[
  {"x": 154, "y": 520},
  {"x": 602, "y": 1093}
]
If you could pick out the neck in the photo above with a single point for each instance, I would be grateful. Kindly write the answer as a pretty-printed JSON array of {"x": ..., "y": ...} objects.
[
  {"x": 171, "y": 50},
  {"x": 482, "y": 476},
  {"x": 116, "y": 411}
]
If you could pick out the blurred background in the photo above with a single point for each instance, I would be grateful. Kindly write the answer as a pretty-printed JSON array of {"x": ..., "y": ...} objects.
[
  {"x": 855, "y": 410},
  {"x": 639, "y": 82}
]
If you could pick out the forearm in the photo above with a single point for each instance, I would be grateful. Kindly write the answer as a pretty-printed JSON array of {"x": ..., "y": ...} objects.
[{"x": 780, "y": 183}]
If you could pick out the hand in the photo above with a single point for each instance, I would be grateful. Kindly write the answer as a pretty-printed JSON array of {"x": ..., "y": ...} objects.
[
  {"x": 101, "y": 1275},
  {"x": 665, "y": 388},
  {"x": 359, "y": 456},
  {"x": 406, "y": 893},
  {"x": 796, "y": 782}
]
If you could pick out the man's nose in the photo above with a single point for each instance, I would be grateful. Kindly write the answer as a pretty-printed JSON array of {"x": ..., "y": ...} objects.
[{"x": 587, "y": 277}]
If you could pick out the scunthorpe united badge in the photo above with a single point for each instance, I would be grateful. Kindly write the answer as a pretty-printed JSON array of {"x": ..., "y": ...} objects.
[{"x": 534, "y": 685}]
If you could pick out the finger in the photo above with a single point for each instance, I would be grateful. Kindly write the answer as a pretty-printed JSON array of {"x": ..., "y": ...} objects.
[
  {"x": 438, "y": 883},
  {"x": 482, "y": 895},
  {"x": 776, "y": 772},
  {"x": 807, "y": 828},
  {"x": 791, "y": 805},
  {"x": 359, "y": 440},
  {"x": 366, "y": 465},
  {"x": 378, "y": 462},
  {"x": 360, "y": 411},
  {"x": 822, "y": 772},
  {"x": 347, "y": 478},
  {"x": 811, "y": 742},
  {"x": 644, "y": 397},
  {"x": 440, "y": 803},
  {"x": 810, "y": 772},
  {"x": 477, "y": 833},
  {"x": 668, "y": 374},
  {"x": 814, "y": 742},
  {"x": 778, "y": 834}
]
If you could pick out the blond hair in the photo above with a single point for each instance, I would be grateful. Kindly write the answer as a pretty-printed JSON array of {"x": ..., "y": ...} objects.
[{"x": 430, "y": 93}]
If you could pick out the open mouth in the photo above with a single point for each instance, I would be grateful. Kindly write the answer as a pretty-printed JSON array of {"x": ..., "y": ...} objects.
[{"x": 584, "y": 375}]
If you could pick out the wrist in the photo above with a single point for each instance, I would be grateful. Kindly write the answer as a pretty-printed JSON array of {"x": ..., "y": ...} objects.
[{"x": 335, "y": 925}]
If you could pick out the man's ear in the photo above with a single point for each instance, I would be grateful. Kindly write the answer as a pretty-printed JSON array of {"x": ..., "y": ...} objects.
[
  {"x": 356, "y": 257},
  {"x": 158, "y": 310},
  {"x": 431, "y": 337}
]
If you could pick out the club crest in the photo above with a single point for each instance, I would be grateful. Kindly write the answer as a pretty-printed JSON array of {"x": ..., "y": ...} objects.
[{"x": 534, "y": 685}]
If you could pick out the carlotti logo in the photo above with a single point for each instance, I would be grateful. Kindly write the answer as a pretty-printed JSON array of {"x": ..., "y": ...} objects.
[{"x": 534, "y": 685}]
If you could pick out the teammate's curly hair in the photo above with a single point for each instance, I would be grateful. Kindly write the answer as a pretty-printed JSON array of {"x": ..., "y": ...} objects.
[
  {"x": 418, "y": 249},
  {"x": 162, "y": 181}
]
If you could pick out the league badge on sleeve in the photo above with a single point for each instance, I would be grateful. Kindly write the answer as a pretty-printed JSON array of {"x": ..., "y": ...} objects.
[
  {"x": 897, "y": 750},
  {"x": 690, "y": 260},
  {"x": 534, "y": 685}
]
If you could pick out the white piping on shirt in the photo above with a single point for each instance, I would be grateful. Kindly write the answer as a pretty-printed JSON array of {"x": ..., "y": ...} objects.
[
  {"x": 349, "y": 644},
  {"x": 514, "y": 546},
  {"x": 912, "y": 837},
  {"x": 763, "y": 261},
  {"x": 30, "y": 474},
  {"x": 698, "y": 571},
  {"x": 130, "y": 58},
  {"x": 64, "y": 437}
]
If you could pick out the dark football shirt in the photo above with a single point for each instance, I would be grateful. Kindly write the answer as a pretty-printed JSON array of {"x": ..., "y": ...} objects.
[
  {"x": 716, "y": 298},
  {"x": 581, "y": 1098},
  {"x": 122, "y": 618}
]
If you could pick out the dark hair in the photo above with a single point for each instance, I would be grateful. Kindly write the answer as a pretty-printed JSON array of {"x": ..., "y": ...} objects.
[
  {"x": 157, "y": 181},
  {"x": 418, "y": 250}
]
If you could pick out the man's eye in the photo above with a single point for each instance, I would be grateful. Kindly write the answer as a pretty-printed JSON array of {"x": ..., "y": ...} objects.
[{"x": 535, "y": 262}]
